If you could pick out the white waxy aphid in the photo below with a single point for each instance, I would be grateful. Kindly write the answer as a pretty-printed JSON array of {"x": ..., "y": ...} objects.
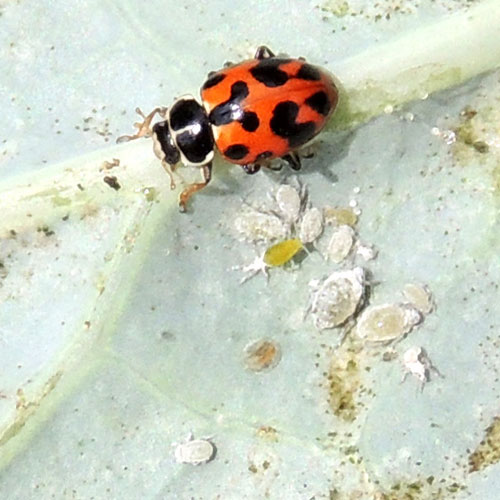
[
  {"x": 311, "y": 225},
  {"x": 366, "y": 252},
  {"x": 340, "y": 243},
  {"x": 255, "y": 226},
  {"x": 387, "y": 322},
  {"x": 258, "y": 265},
  {"x": 419, "y": 296},
  {"x": 416, "y": 362},
  {"x": 335, "y": 299},
  {"x": 194, "y": 451},
  {"x": 289, "y": 202}
]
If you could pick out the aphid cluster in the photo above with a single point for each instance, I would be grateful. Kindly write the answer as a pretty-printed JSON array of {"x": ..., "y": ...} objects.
[
  {"x": 289, "y": 224},
  {"x": 278, "y": 231},
  {"x": 390, "y": 323},
  {"x": 275, "y": 221}
]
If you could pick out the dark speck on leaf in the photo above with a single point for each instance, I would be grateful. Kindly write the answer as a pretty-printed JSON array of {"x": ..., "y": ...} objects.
[{"x": 112, "y": 182}]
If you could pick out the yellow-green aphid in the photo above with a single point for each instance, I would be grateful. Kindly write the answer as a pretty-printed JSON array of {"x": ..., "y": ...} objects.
[{"x": 282, "y": 252}]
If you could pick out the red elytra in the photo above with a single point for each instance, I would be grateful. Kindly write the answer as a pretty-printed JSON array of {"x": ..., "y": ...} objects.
[{"x": 276, "y": 109}]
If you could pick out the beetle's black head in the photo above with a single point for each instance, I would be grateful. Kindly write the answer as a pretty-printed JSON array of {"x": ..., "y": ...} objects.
[{"x": 163, "y": 144}]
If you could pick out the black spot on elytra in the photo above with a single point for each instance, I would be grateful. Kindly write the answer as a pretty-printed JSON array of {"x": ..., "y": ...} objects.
[
  {"x": 250, "y": 121},
  {"x": 268, "y": 72},
  {"x": 239, "y": 90},
  {"x": 236, "y": 151},
  {"x": 308, "y": 72},
  {"x": 230, "y": 110},
  {"x": 184, "y": 113},
  {"x": 213, "y": 80},
  {"x": 319, "y": 102},
  {"x": 284, "y": 124},
  {"x": 264, "y": 155}
]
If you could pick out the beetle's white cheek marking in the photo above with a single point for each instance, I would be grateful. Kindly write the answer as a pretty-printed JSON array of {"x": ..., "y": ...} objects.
[
  {"x": 158, "y": 151},
  {"x": 215, "y": 133},
  {"x": 187, "y": 163}
]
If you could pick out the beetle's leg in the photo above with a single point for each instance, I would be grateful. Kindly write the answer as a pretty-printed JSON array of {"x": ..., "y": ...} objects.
[
  {"x": 251, "y": 168},
  {"x": 227, "y": 64},
  {"x": 263, "y": 52},
  {"x": 169, "y": 169},
  {"x": 275, "y": 167},
  {"x": 144, "y": 127},
  {"x": 192, "y": 188},
  {"x": 293, "y": 159}
]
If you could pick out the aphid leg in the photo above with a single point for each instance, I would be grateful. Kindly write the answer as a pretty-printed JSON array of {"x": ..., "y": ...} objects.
[
  {"x": 308, "y": 308},
  {"x": 192, "y": 188},
  {"x": 343, "y": 334},
  {"x": 293, "y": 159},
  {"x": 144, "y": 127},
  {"x": 303, "y": 194},
  {"x": 253, "y": 271},
  {"x": 433, "y": 369},
  {"x": 251, "y": 168},
  {"x": 308, "y": 252},
  {"x": 263, "y": 52}
]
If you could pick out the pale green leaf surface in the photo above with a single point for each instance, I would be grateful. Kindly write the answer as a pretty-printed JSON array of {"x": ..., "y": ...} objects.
[{"x": 122, "y": 324}]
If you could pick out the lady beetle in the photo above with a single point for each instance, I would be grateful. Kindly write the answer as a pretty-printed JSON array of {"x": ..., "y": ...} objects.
[{"x": 252, "y": 112}]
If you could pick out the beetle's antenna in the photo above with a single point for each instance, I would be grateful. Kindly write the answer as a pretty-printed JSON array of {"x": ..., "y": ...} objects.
[{"x": 144, "y": 127}]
